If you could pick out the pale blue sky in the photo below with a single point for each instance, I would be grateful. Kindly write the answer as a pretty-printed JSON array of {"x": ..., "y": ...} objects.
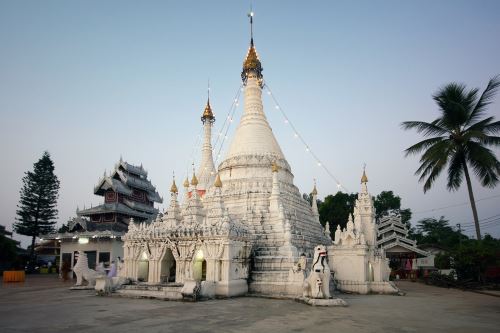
[{"x": 92, "y": 80}]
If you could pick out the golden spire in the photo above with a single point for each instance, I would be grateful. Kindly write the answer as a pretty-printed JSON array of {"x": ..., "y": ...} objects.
[
  {"x": 174, "y": 189},
  {"x": 364, "y": 179},
  {"x": 208, "y": 114},
  {"x": 314, "y": 191},
  {"x": 194, "y": 180},
  {"x": 218, "y": 182},
  {"x": 252, "y": 62},
  {"x": 186, "y": 182},
  {"x": 274, "y": 167}
]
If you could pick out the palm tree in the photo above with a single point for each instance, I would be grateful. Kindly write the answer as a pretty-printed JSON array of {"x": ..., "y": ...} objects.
[{"x": 458, "y": 139}]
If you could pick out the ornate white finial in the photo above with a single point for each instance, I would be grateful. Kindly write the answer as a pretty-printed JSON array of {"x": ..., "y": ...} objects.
[{"x": 314, "y": 191}]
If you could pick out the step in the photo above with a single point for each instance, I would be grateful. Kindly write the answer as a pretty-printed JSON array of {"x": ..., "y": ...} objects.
[
  {"x": 269, "y": 276},
  {"x": 164, "y": 292}
]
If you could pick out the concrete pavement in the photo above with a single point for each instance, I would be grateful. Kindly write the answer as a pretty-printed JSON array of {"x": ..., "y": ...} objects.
[{"x": 44, "y": 304}]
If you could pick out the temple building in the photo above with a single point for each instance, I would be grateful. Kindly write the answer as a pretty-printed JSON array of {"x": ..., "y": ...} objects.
[
  {"x": 359, "y": 265},
  {"x": 240, "y": 228},
  {"x": 97, "y": 231},
  {"x": 403, "y": 253},
  {"x": 127, "y": 194}
]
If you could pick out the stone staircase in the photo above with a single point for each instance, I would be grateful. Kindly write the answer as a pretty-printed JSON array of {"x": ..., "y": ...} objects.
[
  {"x": 270, "y": 273},
  {"x": 170, "y": 291}
]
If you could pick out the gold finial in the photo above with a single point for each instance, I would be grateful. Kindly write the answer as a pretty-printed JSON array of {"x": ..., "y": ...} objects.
[
  {"x": 274, "y": 167},
  {"x": 194, "y": 180},
  {"x": 364, "y": 179},
  {"x": 218, "y": 182},
  {"x": 252, "y": 62},
  {"x": 174, "y": 189},
  {"x": 207, "y": 113},
  {"x": 186, "y": 182},
  {"x": 314, "y": 191}
]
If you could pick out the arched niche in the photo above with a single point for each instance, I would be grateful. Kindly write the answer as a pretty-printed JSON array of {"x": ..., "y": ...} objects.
[
  {"x": 199, "y": 266},
  {"x": 167, "y": 267},
  {"x": 143, "y": 267}
]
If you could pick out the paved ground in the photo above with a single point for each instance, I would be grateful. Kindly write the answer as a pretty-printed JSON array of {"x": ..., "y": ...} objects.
[{"x": 44, "y": 304}]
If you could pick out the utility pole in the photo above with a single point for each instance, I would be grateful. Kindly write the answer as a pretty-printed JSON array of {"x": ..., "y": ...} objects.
[{"x": 459, "y": 234}]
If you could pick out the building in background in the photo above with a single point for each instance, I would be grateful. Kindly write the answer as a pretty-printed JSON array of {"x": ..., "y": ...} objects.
[
  {"x": 392, "y": 237},
  {"x": 97, "y": 231}
]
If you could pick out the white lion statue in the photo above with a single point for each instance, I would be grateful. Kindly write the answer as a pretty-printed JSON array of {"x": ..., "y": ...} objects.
[
  {"x": 83, "y": 272},
  {"x": 317, "y": 284}
]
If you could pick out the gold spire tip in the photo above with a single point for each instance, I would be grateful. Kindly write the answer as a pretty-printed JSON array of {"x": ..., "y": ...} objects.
[
  {"x": 218, "y": 182},
  {"x": 194, "y": 180},
  {"x": 186, "y": 182},
  {"x": 314, "y": 191},
  {"x": 364, "y": 179},
  {"x": 174, "y": 189}
]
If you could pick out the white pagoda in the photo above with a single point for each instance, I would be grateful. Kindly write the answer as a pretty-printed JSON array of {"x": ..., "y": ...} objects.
[
  {"x": 240, "y": 228},
  {"x": 358, "y": 264}
]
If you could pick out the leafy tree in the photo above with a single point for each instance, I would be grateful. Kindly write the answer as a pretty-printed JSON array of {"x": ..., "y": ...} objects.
[
  {"x": 37, "y": 210},
  {"x": 459, "y": 138},
  {"x": 8, "y": 252},
  {"x": 336, "y": 209},
  {"x": 434, "y": 231},
  {"x": 309, "y": 198},
  {"x": 471, "y": 259},
  {"x": 64, "y": 228},
  {"x": 387, "y": 203}
]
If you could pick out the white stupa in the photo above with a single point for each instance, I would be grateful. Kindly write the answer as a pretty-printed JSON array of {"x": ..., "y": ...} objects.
[{"x": 241, "y": 228}]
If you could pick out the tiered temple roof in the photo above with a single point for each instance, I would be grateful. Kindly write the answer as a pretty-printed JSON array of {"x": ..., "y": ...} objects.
[
  {"x": 127, "y": 194},
  {"x": 392, "y": 236}
]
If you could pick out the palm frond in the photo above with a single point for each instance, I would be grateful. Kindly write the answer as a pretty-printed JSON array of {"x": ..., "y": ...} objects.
[
  {"x": 485, "y": 99},
  {"x": 480, "y": 125},
  {"x": 455, "y": 106},
  {"x": 455, "y": 170},
  {"x": 484, "y": 163},
  {"x": 492, "y": 128},
  {"x": 490, "y": 140},
  {"x": 425, "y": 128},
  {"x": 433, "y": 161},
  {"x": 418, "y": 147},
  {"x": 436, "y": 171}
]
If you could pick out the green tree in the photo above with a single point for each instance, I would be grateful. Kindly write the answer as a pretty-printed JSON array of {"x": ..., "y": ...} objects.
[
  {"x": 37, "y": 210},
  {"x": 64, "y": 228},
  {"x": 459, "y": 138},
  {"x": 437, "y": 231},
  {"x": 336, "y": 209},
  {"x": 8, "y": 252},
  {"x": 387, "y": 203},
  {"x": 471, "y": 259}
]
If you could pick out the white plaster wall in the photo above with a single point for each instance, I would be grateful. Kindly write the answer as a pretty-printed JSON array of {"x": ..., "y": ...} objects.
[{"x": 113, "y": 246}]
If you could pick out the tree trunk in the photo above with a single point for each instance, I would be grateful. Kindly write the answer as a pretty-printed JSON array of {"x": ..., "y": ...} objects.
[
  {"x": 472, "y": 201},
  {"x": 32, "y": 255}
]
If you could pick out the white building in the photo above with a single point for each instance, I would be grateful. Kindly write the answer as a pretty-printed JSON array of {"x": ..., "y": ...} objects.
[
  {"x": 358, "y": 264},
  {"x": 240, "y": 228}
]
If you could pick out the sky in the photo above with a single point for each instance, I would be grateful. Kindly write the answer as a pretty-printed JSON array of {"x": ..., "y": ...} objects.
[{"x": 90, "y": 81}]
